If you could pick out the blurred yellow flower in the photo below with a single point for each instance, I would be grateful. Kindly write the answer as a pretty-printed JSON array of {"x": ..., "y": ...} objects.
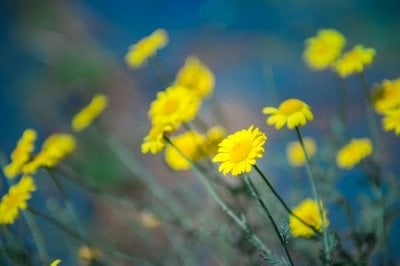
[
  {"x": 190, "y": 144},
  {"x": 55, "y": 263},
  {"x": 291, "y": 112},
  {"x": 353, "y": 152},
  {"x": 214, "y": 136},
  {"x": 174, "y": 106},
  {"x": 88, "y": 254},
  {"x": 15, "y": 200},
  {"x": 146, "y": 48},
  {"x": 295, "y": 154},
  {"x": 307, "y": 210},
  {"x": 149, "y": 220},
  {"x": 323, "y": 49},
  {"x": 196, "y": 77},
  {"x": 21, "y": 154},
  {"x": 86, "y": 116},
  {"x": 387, "y": 96},
  {"x": 391, "y": 121},
  {"x": 354, "y": 61},
  {"x": 238, "y": 152},
  {"x": 154, "y": 141}
]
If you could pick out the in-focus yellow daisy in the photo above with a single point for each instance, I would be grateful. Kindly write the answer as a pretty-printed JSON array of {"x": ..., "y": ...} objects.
[
  {"x": 238, "y": 152},
  {"x": 190, "y": 144},
  {"x": 387, "y": 96},
  {"x": 149, "y": 220},
  {"x": 21, "y": 154},
  {"x": 308, "y": 212},
  {"x": 295, "y": 154},
  {"x": 87, "y": 115},
  {"x": 353, "y": 152},
  {"x": 146, "y": 48},
  {"x": 354, "y": 61},
  {"x": 291, "y": 112},
  {"x": 196, "y": 76},
  {"x": 174, "y": 106},
  {"x": 391, "y": 121},
  {"x": 15, "y": 200},
  {"x": 323, "y": 49},
  {"x": 55, "y": 262}
]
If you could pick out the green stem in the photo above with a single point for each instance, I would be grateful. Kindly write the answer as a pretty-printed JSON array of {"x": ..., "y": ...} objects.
[
  {"x": 257, "y": 196},
  {"x": 315, "y": 196}
]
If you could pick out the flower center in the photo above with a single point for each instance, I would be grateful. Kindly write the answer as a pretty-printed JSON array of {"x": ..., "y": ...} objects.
[
  {"x": 240, "y": 151},
  {"x": 290, "y": 106},
  {"x": 170, "y": 106}
]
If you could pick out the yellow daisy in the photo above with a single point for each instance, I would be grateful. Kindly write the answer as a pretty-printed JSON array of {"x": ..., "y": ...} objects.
[
  {"x": 387, "y": 96},
  {"x": 308, "y": 212},
  {"x": 291, "y": 112},
  {"x": 86, "y": 116},
  {"x": 189, "y": 143},
  {"x": 323, "y": 49},
  {"x": 354, "y": 61},
  {"x": 295, "y": 154},
  {"x": 391, "y": 121},
  {"x": 238, "y": 152},
  {"x": 21, "y": 154},
  {"x": 353, "y": 152},
  {"x": 174, "y": 106},
  {"x": 154, "y": 141},
  {"x": 196, "y": 76},
  {"x": 15, "y": 200},
  {"x": 146, "y": 48}
]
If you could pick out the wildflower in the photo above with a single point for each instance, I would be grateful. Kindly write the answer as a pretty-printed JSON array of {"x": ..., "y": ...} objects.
[
  {"x": 291, "y": 112},
  {"x": 214, "y": 136},
  {"x": 149, "y": 220},
  {"x": 309, "y": 213},
  {"x": 354, "y": 61},
  {"x": 55, "y": 263},
  {"x": 174, "y": 106},
  {"x": 391, "y": 121},
  {"x": 15, "y": 200},
  {"x": 196, "y": 76},
  {"x": 387, "y": 96},
  {"x": 295, "y": 154},
  {"x": 146, "y": 48},
  {"x": 353, "y": 152},
  {"x": 323, "y": 49},
  {"x": 88, "y": 254},
  {"x": 190, "y": 144},
  {"x": 86, "y": 116},
  {"x": 239, "y": 151},
  {"x": 21, "y": 154}
]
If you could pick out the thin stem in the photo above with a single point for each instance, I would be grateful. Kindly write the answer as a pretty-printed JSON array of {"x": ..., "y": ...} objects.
[
  {"x": 160, "y": 70},
  {"x": 315, "y": 196},
  {"x": 256, "y": 195}
]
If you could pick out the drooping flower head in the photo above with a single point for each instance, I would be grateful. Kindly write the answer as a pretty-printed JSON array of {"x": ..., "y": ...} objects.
[
  {"x": 291, "y": 112},
  {"x": 353, "y": 152},
  {"x": 146, "y": 48},
  {"x": 190, "y": 144},
  {"x": 386, "y": 96},
  {"x": 391, "y": 121},
  {"x": 16, "y": 200},
  {"x": 295, "y": 154},
  {"x": 88, "y": 114},
  {"x": 323, "y": 49},
  {"x": 214, "y": 136},
  {"x": 309, "y": 213},
  {"x": 154, "y": 141},
  {"x": 21, "y": 154},
  {"x": 196, "y": 77},
  {"x": 238, "y": 152},
  {"x": 354, "y": 61}
]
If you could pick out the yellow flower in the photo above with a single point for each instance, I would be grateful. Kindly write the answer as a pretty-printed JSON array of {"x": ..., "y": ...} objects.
[
  {"x": 55, "y": 263},
  {"x": 291, "y": 112},
  {"x": 295, "y": 154},
  {"x": 88, "y": 254},
  {"x": 308, "y": 212},
  {"x": 21, "y": 154},
  {"x": 387, "y": 96},
  {"x": 238, "y": 152},
  {"x": 196, "y": 76},
  {"x": 154, "y": 141},
  {"x": 16, "y": 199},
  {"x": 323, "y": 49},
  {"x": 174, "y": 106},
  {"x": 55, "y": 148},
  {"x": 354, "y": 61},
  {"x": 214, "y": 136},
  {"x": 86, "y": 116},
  {"x": 190, "y": 144},
  {"x": 146, "y": 48},
  {"x": 391, "y": 121},
  {"x": 149, "y": 220},
  {"x": 353, "y": 152}
]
